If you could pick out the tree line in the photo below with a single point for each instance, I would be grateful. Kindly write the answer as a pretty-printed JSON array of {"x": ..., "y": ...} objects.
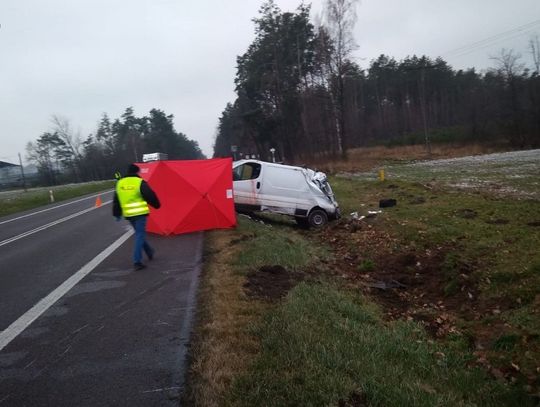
[
  {"x": 299, "y": 91},
  {"x": 62, "y": 156}
]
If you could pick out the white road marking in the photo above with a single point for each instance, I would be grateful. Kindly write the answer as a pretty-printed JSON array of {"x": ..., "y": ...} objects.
[
  {"x": 163, "y": 389},
  {"x": 12, "y": 331},
  {"x": 50, "y": 209},
  {"x": 48, "y": 225}
]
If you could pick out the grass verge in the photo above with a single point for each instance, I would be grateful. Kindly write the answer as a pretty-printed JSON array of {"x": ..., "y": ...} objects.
[
  {"x": 470, "y": 261},
  {"x": 323, "y": 347},
  {"x": 319, "y": 344},
  {"x": 461, "y": 330},
  {"x": 224, "y": 345},
  {"x": 18, "y": 201}
]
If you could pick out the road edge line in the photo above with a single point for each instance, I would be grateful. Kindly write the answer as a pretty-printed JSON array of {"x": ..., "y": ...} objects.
[
  {"x": 48, "y": 225},
  {"x": 12, "y": 331},
  {"x": 53, "y": 207}
]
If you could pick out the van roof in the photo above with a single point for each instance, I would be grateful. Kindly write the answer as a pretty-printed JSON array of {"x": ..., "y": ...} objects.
[{"x": 239, "y": 162}]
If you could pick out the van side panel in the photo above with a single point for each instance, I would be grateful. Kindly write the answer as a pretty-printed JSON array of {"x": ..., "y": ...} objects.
[
  {"x": 284, "y": 190},
  {"x": 280, "y": 188}
]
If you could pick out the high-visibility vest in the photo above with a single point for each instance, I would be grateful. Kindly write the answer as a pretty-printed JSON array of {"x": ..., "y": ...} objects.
[{"x": 132, "y": 203}]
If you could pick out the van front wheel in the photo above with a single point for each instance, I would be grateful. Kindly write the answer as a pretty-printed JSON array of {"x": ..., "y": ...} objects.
[{"x": 317, "y": 218}]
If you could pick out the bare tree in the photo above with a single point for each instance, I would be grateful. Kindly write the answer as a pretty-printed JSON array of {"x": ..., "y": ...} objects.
[
  {"x": 340, "y": 20},
  {"x": 70, "y": 151},
  {"x": 508, "y": 64},
  {"x": 510, "y": 69},
  {"x": 534, "y": 47}
]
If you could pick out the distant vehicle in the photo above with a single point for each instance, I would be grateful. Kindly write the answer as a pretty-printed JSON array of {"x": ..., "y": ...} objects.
[
  {"x": 299, "y": 192},
  {"x": 154, "y": 157}
]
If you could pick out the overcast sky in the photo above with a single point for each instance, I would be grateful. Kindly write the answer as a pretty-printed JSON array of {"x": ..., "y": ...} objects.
[{"x": 80, "y": 58}]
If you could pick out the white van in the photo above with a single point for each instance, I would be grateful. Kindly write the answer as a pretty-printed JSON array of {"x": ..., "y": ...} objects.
[{"x": 285, "y": 189}]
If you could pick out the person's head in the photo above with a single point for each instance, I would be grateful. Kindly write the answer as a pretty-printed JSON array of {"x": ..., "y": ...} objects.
[{"x": 132, "y": 169}]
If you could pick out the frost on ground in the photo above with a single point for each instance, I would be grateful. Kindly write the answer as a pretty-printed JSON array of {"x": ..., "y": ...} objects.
[{"x": 515, "y": 173}]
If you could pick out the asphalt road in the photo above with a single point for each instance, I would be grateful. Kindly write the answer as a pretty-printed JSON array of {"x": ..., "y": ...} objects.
[{"x": 118, "y": 337}]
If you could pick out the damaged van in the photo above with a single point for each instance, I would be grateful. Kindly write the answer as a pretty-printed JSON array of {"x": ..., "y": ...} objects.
[{"x": 299, "y": 192}]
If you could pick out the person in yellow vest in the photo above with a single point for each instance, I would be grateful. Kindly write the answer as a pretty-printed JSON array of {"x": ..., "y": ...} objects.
[{"x": 131, "y": 200}]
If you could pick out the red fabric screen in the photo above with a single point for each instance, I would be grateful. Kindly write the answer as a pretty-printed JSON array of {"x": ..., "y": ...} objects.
[{"x": 194, "y": 194}]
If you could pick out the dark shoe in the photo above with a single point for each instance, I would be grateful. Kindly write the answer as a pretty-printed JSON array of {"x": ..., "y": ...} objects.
[
  {"x": 138, "y": 266},
  {"x": 150, "y": 255}
]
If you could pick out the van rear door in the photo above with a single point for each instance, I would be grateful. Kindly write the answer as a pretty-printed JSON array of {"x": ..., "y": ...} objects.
[{"x": 247, "y": 184}]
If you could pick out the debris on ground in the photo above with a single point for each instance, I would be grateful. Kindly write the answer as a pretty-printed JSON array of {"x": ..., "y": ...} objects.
[
  {"x": 356, "y": 399},
  {"x": 355, "y": 216},
  {"x": 497, "y": 221},
  {"x": 387, "y": 203},
  {"x": 408, "y": 284},
  {"x": 385, "y": 285},
  {"x": 466, "y": 213}
]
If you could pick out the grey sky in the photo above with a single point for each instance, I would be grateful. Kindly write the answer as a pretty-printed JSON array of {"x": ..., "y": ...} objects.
[{"x": 80, "y": 58}]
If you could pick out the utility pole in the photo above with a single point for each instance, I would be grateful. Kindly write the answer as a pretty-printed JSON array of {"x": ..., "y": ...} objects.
[{"x": 22, "y": 173}]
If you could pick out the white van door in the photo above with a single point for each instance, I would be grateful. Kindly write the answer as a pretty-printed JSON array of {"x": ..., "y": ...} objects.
[{"x": 247, "y": 185}]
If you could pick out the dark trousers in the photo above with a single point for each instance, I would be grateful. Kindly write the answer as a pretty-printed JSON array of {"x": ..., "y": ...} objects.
[{"x": 139, "y": 224}]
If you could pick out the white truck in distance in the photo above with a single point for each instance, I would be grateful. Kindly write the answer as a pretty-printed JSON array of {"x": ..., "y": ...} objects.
[
  {"x": 299, "y": 192},
  {"x": 154, "y": 157}
]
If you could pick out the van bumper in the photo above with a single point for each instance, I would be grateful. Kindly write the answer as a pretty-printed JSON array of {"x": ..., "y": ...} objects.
[{"x": 336, "y": 215}]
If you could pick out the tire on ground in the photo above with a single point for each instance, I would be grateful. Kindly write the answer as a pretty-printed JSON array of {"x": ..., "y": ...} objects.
[{"x": 317, "y": 218}]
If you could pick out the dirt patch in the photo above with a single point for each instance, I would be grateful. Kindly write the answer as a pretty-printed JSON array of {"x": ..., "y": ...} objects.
[
  {"x": 271, "y": 282},
  {"x": 534, "y": 224},
  {"x": 426, "y": 285},
  {"x": 354, "y": 400},
  {"x": 425, "y": 291},
  {"x": 434, "y": 287},
  {"x": 466, "y": 213},
  {"x": 418, "y": 200},
  {"x": 497, "y": 221},
  {"x": 243, "y": 238}
]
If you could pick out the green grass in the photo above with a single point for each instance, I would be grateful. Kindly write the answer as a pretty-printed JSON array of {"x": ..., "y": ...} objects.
[
  {"x": 487, "y": 236},
  {"x": 268, "y": 245},
  {"x": 476, "y": 228},
  {"x": 506, "y": 342},
  {"x": 366, "y": 265},
  {"x": 323, "y": 345},
  {"x": 13, "y": 202}
]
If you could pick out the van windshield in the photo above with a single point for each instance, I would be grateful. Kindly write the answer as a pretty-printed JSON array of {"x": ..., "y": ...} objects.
[
  {"x": 322, "y": 182},
  {"x": 246, "y": 171}
]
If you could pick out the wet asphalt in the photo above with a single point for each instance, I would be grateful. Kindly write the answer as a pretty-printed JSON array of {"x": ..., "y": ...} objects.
[{"x": 119, "y": 337}]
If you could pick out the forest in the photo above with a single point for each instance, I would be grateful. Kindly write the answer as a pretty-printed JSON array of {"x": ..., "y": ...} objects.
[
  {"x": 61, "y": 156},
  {"x": 300, "y": 91}
]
